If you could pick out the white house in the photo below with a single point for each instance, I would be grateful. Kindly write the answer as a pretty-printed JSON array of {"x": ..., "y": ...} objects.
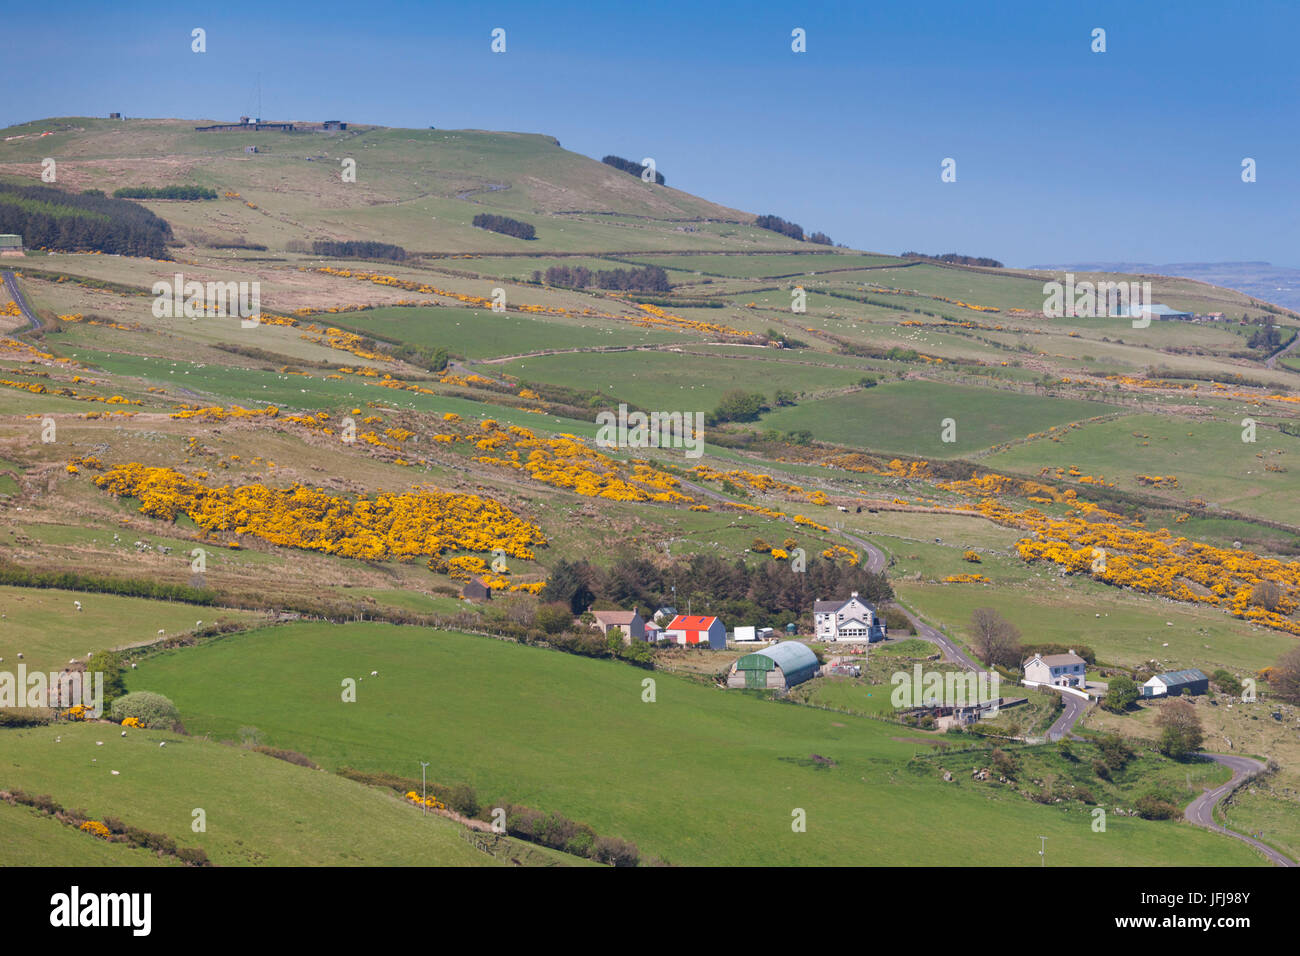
[
  {"x": 851, "y": 620},
  {"x": 1059, "y": 670}
]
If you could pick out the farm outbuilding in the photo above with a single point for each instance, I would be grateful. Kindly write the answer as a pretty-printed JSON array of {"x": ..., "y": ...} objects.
[
  {"x": 476, "y": 590},
  {"x": 696, "y": 630},
  {"x": 776, "y": 668},
  {"x": 1190, "y": 681}
]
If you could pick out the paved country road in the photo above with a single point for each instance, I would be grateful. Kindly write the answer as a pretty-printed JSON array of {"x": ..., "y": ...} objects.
[
  {"x": 1075, "y": 707},
  {"x": 1201, "y": 810},
  {"x": 11, "y": 284},
  {"x": 876, "y": 563}
]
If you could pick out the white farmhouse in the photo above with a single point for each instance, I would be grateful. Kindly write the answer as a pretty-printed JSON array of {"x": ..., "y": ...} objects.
[
  {"x": 1059, "y": 670},
  {"x": 851, "y": 620}
]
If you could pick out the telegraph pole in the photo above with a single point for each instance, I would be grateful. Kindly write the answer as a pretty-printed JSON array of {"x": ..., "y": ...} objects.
[
  {"x": 423, "y": 800},
  {"x": 1043, "y": 851}
]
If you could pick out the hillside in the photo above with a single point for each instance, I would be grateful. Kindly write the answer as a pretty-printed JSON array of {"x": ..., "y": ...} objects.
[{"x": 923, "y": 432}]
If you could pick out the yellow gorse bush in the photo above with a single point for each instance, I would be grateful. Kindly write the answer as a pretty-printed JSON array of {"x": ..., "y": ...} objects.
[{"x": 386, "y": 526}]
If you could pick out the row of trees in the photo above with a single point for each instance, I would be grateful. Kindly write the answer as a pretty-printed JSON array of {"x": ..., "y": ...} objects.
[
  {"x": 165, "y": 192},
  {"x": 768, "y": 593},
  {"x": 505, "y": 225},
  {"x": 791, "y": 229},
  {"x": 648, "y": 279},
  {"x": 49, "y": 218},
  {"x": 777, "y": 224},
  {"x": 635, "y": 169},
  {"x": 956, "y": 259},
  {"x": 358, "y": 249}
]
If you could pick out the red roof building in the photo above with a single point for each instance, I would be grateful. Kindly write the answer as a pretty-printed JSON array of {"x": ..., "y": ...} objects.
[{"x": 697, "y": 630}]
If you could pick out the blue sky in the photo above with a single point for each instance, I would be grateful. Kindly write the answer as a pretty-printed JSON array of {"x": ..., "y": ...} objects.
[{"x": 1062, "y": 154}]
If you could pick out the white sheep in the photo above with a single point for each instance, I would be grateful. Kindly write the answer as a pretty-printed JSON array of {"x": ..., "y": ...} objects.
[{"x": 78, "y": 604}]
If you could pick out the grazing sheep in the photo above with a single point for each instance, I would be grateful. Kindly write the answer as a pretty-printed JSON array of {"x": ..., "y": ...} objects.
[
  {"x": 78, "y": 604},
  {"x": 374, "y": 673},
  {"x": 162, "y": 743}
]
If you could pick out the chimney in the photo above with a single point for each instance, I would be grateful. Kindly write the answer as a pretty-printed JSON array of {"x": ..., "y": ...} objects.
[{"x": 854, "y": 594}]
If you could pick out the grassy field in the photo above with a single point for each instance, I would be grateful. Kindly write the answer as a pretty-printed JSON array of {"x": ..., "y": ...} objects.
[
  {"x": 908, "y": 417},
  {"x": 45, "y": 626},
  {"x": 32, "y": 839},
  {"x": 260, "y": 811},
  {"x": 670, "y": 380},
  {"x": 1208, "y": 457},
  {"x": 746, "y": 763},
  {"x": 561, "y": 732},
  {"x": 1123, "y": 628}
]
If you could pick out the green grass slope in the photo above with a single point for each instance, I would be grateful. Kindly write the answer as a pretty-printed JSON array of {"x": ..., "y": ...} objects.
[{"x": 700, "y": 776}]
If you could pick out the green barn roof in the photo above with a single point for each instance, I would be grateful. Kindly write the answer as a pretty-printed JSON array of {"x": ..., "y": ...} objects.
[{"x": 795, "y": 660}]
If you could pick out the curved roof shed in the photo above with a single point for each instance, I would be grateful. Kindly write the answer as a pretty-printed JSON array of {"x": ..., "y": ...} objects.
[{"x": 793, "y": 662}]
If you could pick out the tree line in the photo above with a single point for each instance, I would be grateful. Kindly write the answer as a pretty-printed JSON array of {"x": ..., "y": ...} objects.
[
  {"x": 165, "y": 192},
  {"x": 956, "y": 259},
  {"x": 766, "y": 594},
  {"x": 791, "y": 229},
  {"x": 648, "y": 279},
  {"x": 49, "y": 218},
  {"x": 358, "y": 249},
  {"x": 635, "y": 169},
  {"x": 505, "y": 225}
]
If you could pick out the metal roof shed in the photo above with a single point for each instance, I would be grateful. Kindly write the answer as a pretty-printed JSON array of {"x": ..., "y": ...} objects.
[{"x": 781, "y": 666}]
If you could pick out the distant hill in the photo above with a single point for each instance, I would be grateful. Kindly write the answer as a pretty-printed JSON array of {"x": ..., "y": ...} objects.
[{"x": 1262, "y": 280}]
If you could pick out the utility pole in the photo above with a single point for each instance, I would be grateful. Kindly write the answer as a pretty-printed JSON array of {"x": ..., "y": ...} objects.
[
  {"x": 423, "y": 799},
  {"x": 1043, "y": 851}
]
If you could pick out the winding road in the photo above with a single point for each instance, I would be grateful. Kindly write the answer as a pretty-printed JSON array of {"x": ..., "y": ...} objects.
[
  {"x": 1201, "y": 810},
  {"x": 11, "y": 284}
]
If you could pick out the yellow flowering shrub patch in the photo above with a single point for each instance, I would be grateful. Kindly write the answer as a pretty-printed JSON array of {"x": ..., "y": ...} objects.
[{"x": 385, "y": 526}]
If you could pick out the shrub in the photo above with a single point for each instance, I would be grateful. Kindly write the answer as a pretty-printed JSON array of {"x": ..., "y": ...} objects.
[
  {"x": 1114, "y": 751},
  {"x": 153, "y": 710},
  {"x": 463, "y": 800},
  {"x": 615, "y": 852},
  {"x": 288, "y": 756},
  {"x": 110, "y": 665},
  {"x": 1151, "y": 807},
  {"x": 1123, "y": 692},
  {"x": 1004, "y": 763},
  {"x": 554, "y": 617},
  {"x": 1101, "y": 770},
  {"x": 1227, "y": 682}
]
